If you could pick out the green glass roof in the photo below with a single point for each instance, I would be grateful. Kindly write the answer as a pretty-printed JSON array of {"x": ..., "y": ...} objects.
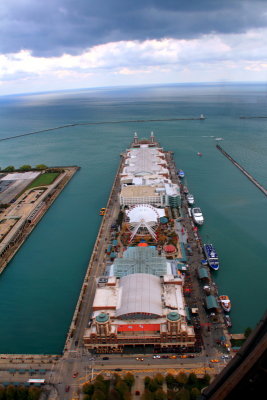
[{"x": 140, "y": 260}]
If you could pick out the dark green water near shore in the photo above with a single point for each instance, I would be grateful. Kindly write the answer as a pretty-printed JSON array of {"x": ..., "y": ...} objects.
[{"x": 40, "y": 287}]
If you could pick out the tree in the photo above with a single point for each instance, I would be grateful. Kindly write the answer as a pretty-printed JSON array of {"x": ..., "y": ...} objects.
[
  {"x": 195, "y": 393},
  {"x": 34, "y": 393},
  {"x": 247, "y": 332},
  {"x": 147, "y": 381},
  {"x": 10, "y": 392},
  {"x": 160, "y": 395},
  {"x": 41, "y": 166},
  {"x": 170, "y": 380},
  {"x": 206, "y": 379},
  {"x": 122, "y": 388},
  {"x": 88, "y": 388},
  {"x": 147, "y": 395},
  {"x": 129, "y": 380},
  {"x": 182, "y": 378},
  {"x": 192, "y": 379},
  {"x": 159, "y": 379},
  {"x": 183, "y": 394},
  {"x": 114, "y": 395},
  {"x": 99, "y": 395},
  {"x": 22, "y": 393},
  {"x": 153, "y": 386},
  {"x": 10, "y": 168},
  {"x": 25, "y": 167}
]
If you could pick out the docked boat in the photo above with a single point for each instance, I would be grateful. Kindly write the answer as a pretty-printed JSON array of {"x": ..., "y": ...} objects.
[
  {"x": 197, "y": 216},
  {"x": 102, "y": 211},
  {"x": 225, "y": 303},
  {"x": 190, "y": 199},
  {"x": 185, "y": 190},
  {"x": 211, "y": 255},
  {"x": 181, "y": 174},
  {"x": 228, "y": 321}
]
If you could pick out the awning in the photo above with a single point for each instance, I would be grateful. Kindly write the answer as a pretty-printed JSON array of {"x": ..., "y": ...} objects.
[
  {"x": 139, "y": 328},
  {"x": 203, "y": 273},
  {"x": 211, "y": 302}
]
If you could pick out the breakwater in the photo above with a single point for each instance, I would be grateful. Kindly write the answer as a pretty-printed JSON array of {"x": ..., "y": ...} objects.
[
  {"x": 201, "y": 118},
  {"x": 242, "y": 169}
]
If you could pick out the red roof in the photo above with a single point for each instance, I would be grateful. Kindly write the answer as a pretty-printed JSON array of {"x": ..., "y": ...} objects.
[
  {"x": 138, "y": 327},
  {"x": 169, "y": 248}
]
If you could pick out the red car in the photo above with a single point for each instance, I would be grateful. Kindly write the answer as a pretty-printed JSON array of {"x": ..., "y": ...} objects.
[
  {"x": 75, "y": 375},
  {"x": 67, "y": 388}
]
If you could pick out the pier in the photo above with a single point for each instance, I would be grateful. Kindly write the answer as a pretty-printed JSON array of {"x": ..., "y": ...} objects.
[
  {"x": 138, "y": 121},
  {"x": 242, "y": 169}
]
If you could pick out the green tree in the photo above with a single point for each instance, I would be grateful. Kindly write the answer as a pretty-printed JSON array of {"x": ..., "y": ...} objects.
[
  {"x": 2, "y": 392},
  {"x": 159, "y": 379},
  {"x": 34, "y": 393},
  {"x": 160, "y": 395},
  {"x": 88, "y": 388},
  {"x": 153, "y": 386},
  {"x": 99, "y": 395},
  {"x": 192, "y": 379},
  {"x": 170, "y": 381},
  {"x": 183, "y": 394},
  {"x": 22, "y": 393},
  {"x": 147, "y": 395},
  {"x": 147, "y": 381},
  {"x": 247, "y": 332},
  {"x": 10, "y": 392},
  {"x": 114, "y": 395},
  {"x": 182, "y": 378},
  {"x": 122, "y": 388},
  {"x": 25, "y": 167},
  {"x": 10, "y": 168},
  {"x": 41, "y": 166},
  {"x": 129, "y": 380},
  {"x": 206, "y": 379},
  {"x": 195, "y": 393}
]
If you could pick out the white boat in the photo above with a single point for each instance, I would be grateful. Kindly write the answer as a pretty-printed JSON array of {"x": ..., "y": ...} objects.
[
  {"x": 225, "y": 303},
  {"x": 197, "y": 216},
  {"x": 190, "y": 199}
]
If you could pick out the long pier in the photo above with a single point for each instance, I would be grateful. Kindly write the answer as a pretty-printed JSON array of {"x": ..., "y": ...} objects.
[
  {"x": 242, "y": 169},
  {"x": 201, "y": 118}
]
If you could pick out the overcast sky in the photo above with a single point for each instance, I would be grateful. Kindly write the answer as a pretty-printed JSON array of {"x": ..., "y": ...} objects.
[{"x": 66, "y": 44}]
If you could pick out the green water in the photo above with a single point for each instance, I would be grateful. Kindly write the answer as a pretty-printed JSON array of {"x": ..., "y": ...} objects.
[{"x": 40, "y": 287}]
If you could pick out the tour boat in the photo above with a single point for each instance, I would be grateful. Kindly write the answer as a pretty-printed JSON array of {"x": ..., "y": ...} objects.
[
  {"x": 197, "y": 216},
  {"x": 211, "y": 255},
  {"x": 190, "y": 199},
  {"x": 225, "y": 303}
]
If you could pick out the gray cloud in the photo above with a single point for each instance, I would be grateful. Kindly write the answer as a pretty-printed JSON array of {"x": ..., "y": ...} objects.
[{"x": 53, "y": 27}]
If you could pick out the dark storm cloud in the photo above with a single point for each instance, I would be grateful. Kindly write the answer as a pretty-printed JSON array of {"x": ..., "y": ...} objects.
[{"x": 53, "y": 27}]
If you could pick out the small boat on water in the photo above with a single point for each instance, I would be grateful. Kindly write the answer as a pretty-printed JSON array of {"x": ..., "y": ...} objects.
[
  {"x": 185, "y": 190},
  {"x": 225, "y": 303},
  {"x": 181, "y": 173},
  {"x": 197, "y": 216},
  {"x": 211, "y": 255},
  {"x": 190, "y": 199},
  {"x": 228, "y": 321},
  {"x": 102, "y": 211},
  {"x": 199, "y": 154}
]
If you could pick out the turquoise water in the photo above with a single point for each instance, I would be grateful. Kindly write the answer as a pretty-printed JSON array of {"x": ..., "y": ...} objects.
[{"x": 40, "y": 287}]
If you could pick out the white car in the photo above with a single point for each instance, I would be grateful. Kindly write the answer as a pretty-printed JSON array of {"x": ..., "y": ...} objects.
[
  {"x": 156, "y": 356},
  {"x": 197, "y": 216}
]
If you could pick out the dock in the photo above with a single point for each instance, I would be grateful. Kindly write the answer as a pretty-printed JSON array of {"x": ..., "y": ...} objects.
[{"x": 242, "y": 169}]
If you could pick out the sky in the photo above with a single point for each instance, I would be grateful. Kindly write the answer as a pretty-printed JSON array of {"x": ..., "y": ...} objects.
[{"x": 66, "y": 44}]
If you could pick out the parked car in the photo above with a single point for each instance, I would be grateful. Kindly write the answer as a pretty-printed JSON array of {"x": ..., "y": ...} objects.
[
  {"x": 75, "y": 374},
  {"x": 67, "y": 388},
  {"x": 105, "y": 358}
]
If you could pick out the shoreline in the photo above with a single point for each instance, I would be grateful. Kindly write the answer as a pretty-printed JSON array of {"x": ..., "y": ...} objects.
[{"x": 22, "y": 232}]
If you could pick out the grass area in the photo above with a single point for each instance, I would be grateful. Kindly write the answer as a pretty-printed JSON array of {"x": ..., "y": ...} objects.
[{"x": 44, "y": 179}]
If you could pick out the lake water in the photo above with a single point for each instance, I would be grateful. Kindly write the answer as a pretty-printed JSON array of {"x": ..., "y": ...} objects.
[{"x": 40, "y": 287}]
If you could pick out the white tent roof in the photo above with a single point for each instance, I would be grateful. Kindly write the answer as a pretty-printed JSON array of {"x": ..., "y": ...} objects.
[{"x": 139, "y": 293}]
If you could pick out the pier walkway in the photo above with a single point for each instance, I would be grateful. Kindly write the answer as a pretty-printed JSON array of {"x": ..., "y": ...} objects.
[{"x": 242, "y": 169}]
